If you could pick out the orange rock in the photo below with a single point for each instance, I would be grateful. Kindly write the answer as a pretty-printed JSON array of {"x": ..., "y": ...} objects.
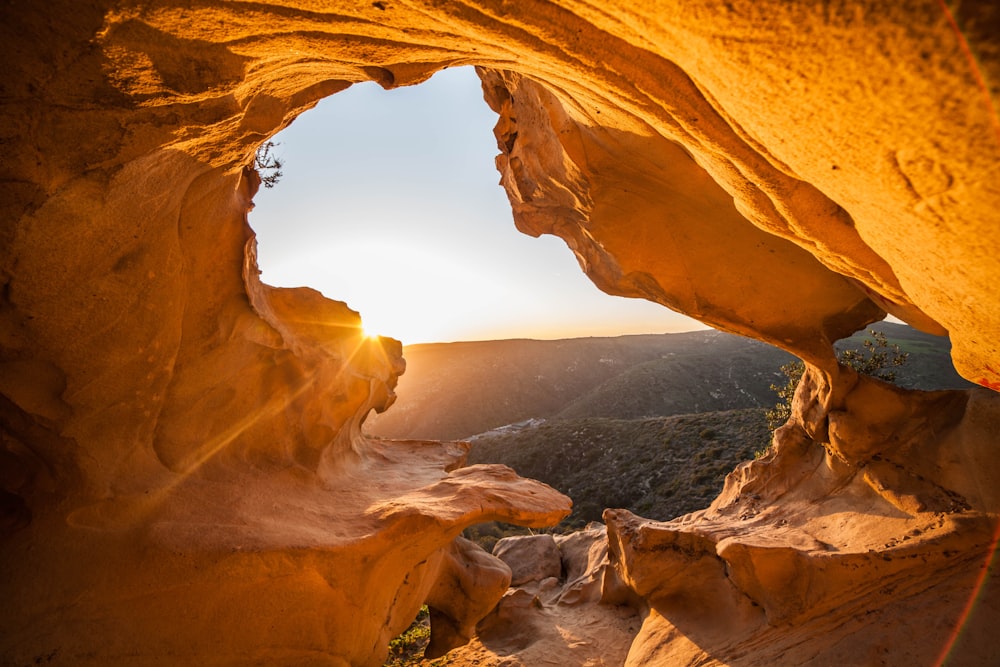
[
  {"x": 530, "y": 557},
  {"x": 184, "y": 477},
  {"x": 578, "y": 618}
]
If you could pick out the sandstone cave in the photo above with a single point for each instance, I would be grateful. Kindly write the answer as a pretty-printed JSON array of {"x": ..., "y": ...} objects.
[{"x": 185, "y": 479}]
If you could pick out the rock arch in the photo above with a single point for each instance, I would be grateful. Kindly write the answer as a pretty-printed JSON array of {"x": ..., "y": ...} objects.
[{"x": 182, "y": 452}]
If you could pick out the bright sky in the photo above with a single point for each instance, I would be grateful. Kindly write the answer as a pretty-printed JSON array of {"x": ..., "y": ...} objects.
[{"x": 389, "y": 201}]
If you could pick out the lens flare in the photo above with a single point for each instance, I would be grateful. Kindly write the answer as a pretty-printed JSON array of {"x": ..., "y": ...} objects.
[{"x": 986, "y": 571}]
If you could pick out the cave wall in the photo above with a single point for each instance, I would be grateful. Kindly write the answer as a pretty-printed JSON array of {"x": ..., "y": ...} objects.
[{"x": 181, "y": 443}]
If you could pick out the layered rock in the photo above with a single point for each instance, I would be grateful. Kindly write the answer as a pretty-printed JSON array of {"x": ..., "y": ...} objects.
[
  {"x": 182, "y": 452},
  {"x": 815, "y": 555}
]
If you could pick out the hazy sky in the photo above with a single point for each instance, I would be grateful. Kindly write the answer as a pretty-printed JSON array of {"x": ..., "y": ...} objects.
[{"x": 390, "y": 202}]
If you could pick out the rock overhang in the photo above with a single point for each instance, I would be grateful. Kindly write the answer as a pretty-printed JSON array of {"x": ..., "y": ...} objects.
[{"x": 793, "y": 195}]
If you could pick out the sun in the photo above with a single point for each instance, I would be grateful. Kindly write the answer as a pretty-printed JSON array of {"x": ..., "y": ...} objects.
[{"x": 368, "y": 333}]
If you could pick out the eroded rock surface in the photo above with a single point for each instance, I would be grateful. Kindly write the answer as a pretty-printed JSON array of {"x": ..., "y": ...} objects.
[
  {"x": 583, "y": 615},
  {"x": 530, "y": 558},
  {"x": 814, "y": 557},
  {"x": 184, "y": 476}
]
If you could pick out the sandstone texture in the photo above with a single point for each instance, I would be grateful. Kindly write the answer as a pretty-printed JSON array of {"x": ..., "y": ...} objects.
[
  {"x": 530, "y": 558},
  {"x": 582, "y": 615},
  {"x": 185, "y": 479}
]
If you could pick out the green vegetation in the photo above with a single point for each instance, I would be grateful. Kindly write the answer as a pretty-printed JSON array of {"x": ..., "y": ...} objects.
[
  {"x": 457, "y": 390},
  {"x": 661, "y": 467},
  {"x": 878, "y": 358},
  {"x": 782, "y": 410},
  {"x": 407, "y": 650},
  {"x": 443, "y": 395},
  {"x": 267, "y": 166},
  {"x": 928, "y": 365},
  {"x": 652, "y": 424},
  {"x": 644, "y": 423}
]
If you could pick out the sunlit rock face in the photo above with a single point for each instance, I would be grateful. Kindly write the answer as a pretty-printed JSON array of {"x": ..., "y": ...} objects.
[
  {"x": 825, "y": 552},
  {"x": 184, "y": 475}
]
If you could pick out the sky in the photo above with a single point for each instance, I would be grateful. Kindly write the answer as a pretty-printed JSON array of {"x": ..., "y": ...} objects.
[{"x": 389, "y": 201}]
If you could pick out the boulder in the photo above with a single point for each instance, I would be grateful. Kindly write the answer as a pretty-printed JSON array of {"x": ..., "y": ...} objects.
[{"x": 530, "y": 557}]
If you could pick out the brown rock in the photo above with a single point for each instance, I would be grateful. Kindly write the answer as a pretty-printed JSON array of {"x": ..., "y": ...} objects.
[
  {"x": 530, "y": 557},
  {"x": 580, "y": 621},
  {"x": 801, "y": 537},
  {"x": 514, "y": 625},
  {"x": 469, "y": 586},
  {"x": 589, "y": 575}
]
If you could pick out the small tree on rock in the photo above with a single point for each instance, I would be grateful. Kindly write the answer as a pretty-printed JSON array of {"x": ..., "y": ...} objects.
[
  {"x": 782, "y": 410},
  {"x": 267, "y": 166},
  {"x": 878, "y": 358}
]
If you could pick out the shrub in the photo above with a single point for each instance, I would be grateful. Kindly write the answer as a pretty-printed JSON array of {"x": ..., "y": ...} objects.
[
  {"x": 878, "y": 358},
  {"x": 782, "y": 410},
  {"x": 267, "y": 166},
  {"x": 407, "y": 650}
]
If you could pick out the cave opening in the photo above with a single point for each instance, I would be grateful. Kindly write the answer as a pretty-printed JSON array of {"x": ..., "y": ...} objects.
[
  {"x": 389, "y": 201},
  {"x": 162, "y": 411}
]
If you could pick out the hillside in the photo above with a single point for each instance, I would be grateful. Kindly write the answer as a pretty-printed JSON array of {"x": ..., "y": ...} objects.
[
  {"x": 659, "y": 467},
  {"x": 735, "y": 374},
  {"x": 648, "y": 423},
  {"x": 457, "y": 390},
  {"x": 929, "y": 363}
]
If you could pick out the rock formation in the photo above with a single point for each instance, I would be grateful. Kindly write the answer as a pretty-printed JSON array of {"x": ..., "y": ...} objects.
[
  {"x": 184, "y": 475},
  {"x": 572, "y": 615}
]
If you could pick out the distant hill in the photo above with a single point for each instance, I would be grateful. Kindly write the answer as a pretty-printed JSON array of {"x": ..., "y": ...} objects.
[
  {"x": 456, "y": 390},
  {"x": 648, "y": 423},
  {"x": 603, "y": 450},
  {"x": 929, "y": 364},
  {"x": 735, "y": 373}
]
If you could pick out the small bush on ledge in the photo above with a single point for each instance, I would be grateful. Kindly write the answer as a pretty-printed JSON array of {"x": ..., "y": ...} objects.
[{"x": 267, "y": 166}]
